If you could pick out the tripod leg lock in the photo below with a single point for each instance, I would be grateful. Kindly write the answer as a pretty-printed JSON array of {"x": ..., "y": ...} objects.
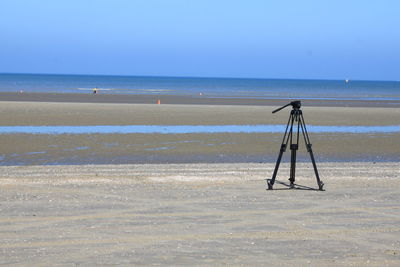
[
  {"x": 283, "y": 147},
  {"x": 294, "y": 147},
  {"x": 309, "y": 149}
]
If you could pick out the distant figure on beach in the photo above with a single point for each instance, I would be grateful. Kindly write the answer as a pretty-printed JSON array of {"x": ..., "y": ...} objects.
[{"x": 95, "y": 90}]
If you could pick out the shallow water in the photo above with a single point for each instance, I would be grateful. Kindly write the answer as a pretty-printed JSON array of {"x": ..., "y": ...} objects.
[
  {"x": 214, "y": 87},
  {"x": 185, "y": 129}
]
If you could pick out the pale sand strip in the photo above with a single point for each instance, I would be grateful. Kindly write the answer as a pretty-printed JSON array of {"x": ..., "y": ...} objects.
[
  {"x": 199, "y": 214},
  {"x": 39, "y": 113},
  {"x": 198, "y": 172}
]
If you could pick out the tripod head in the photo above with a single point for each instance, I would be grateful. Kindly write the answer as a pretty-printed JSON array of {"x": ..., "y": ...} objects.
[{"x": 295, "y": 105}]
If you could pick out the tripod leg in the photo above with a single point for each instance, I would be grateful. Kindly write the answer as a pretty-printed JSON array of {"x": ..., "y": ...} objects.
[
  {"x": 293, "y": 148},
  {"x": 319, "y": 182},
  {"x": 309, "y": 149},
  {"x": 285, "y": 140},
  {"x": 278, "y": 162}
]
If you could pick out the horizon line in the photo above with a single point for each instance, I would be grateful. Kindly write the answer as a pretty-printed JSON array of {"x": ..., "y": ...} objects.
[{"x": 195, "y": 77}]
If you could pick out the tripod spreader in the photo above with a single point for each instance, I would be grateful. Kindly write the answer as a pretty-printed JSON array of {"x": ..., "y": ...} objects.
[{"x": 296, "y": 115}]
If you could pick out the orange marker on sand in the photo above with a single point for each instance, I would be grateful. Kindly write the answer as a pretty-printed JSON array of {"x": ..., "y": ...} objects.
[{"x": 158, "y": 102}]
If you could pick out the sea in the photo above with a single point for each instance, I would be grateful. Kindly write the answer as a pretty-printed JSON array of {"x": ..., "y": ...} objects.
[{"x": 207, "y": 87}]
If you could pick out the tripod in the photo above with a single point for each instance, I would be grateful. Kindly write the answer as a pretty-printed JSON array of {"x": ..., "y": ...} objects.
[{"x": 296, "y": 117}]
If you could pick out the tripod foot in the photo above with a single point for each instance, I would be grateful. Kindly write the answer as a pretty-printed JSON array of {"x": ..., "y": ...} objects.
[
  {"x": 269, "y": 185},
  {"x": 321, "y": 186},
  {"x": 291, "y": 183}
]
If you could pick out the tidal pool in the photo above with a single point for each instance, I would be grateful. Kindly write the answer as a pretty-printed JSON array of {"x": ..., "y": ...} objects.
[{"x": 185, "y": 129}]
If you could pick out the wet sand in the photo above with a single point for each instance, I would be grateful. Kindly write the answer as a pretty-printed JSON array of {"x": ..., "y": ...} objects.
[
  {"x": 25, "y": 149},
  {"x": 199, "y": 214},
  {"x": 28, "y": 149}
]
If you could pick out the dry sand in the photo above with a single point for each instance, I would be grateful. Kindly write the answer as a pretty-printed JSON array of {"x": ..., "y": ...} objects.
[{"x": 199, "y": 214}]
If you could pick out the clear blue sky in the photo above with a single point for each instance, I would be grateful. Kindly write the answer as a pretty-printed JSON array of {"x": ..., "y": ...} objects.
[{"x": 304, "y": 39}]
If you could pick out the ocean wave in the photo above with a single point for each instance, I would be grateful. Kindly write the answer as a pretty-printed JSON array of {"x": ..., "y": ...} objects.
[{"x": 125, "y": 89}]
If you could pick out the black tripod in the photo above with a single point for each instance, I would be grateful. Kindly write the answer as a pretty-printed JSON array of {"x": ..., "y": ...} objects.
[{"x": 296, "y": 115}]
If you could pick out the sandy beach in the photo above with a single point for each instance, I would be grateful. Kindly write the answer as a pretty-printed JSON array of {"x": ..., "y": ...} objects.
[
  {"x": 199, "y": 214},
  {"x": 97, "y": 199}
]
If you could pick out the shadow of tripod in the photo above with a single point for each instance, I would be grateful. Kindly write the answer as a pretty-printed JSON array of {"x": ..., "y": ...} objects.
[{"x": 295, "y": 119}]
